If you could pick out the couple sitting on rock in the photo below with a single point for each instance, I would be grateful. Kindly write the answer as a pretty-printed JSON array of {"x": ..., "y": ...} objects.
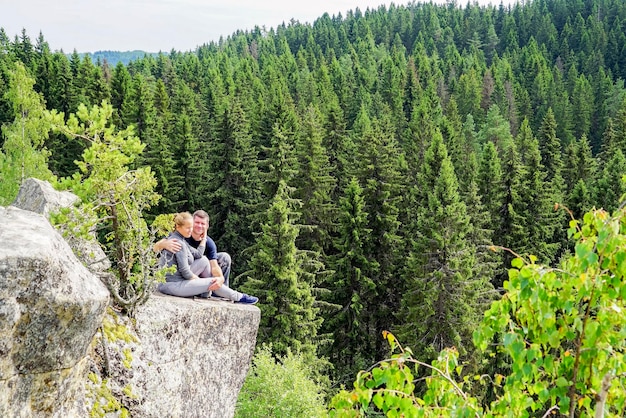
[{"x": 200, "y": 269}]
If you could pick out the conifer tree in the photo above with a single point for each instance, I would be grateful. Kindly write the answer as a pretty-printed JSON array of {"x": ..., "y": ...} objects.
[
  {"x": 314, "y": 185},
  {"x": 619, "y": 126},
  {"x": 214, "y": 104},
  {"x": 344, "y": 85},
  {"x": 509, "y": 221},
  {"x": 185, "y": 133},
  {"x": 551, "y": 160},
  {"x": 468, "y": 95},
  {"x": 496, "y": 129},
  {"x": 469, "y": 150},
  {"x": 492, "y": 193},
  {"x": 62, "y": 95},
  {"x": 289, "y": 319},
  {"x": 587, "y": 164},
  {"x": 279, "y": 110},
  {"x": 24, "y": 50},
  {"x": 412, "y": 88},
  {"x": 83, "y": 70},
  {"x": 279, "y": 163},
  {"x": 440, "y": 303},
  {"x": 189, "y": 163},
  {"x": 580, "y": 171},
  {"x": 391, "y": 86},
  {"x": 350, "y": 287},
  {"x": 610, "y": 188},
  {"x": 564, "y": 112},
  {"x": 583, "y": 102},
  {"x": 504, "y": 94},
  {"x": 513, "y": 221},
  {"x": 5, "y": 42},
  {"x": 570, "y": 166},
  {"x": 580, "y": 199},
  {"x": 160, "y": 154},
  {"x": 234, "y": 183},
  {"x": 550, "y": 148},
  {"x": 452, "y": 131},
  {"x": 490, "y": 183},
  {"x": 480, "y": 236},
  {"x": 419, "y": 131},
  {"x": 43, "y": 66},
  {"x": 98, "y": 89},
  {"x": 537, "y": 199},
  {"x": 379, "y": 158},
  {"x": 120, "y": 93},
  {"x": 63, "y": 98},
  {"x": 339, "y": 146},
  {"x": 142, "y": 113},
  {"x": 608, "y": 141}
]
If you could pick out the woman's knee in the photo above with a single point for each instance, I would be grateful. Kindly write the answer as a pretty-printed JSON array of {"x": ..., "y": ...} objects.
[{"x": 200, "y": 265}]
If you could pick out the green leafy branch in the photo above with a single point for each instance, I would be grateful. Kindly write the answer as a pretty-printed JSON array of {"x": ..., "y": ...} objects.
[
  {"x": 389, "y": 386},
  {"x": 562, "y": 328}
]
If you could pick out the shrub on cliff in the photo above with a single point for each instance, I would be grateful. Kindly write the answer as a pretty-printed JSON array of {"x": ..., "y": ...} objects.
[
  {"x": 280, "y": 387},
  {"x": 114, "y": 197}
]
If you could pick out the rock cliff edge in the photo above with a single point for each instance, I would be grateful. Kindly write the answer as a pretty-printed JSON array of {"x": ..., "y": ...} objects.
[{"x": 64, "y": 352}]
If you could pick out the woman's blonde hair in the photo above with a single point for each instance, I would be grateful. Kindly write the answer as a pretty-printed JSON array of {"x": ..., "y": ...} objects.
[{"x": 181, "y": 219}]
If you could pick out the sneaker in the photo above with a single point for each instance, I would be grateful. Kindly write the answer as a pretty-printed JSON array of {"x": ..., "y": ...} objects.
[
  {"x": 218, "y": 298},
  {"x": 247, "y": 299}
]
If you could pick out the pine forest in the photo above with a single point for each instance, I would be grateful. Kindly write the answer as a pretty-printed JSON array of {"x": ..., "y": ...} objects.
[{"x": 381, "y": 180}]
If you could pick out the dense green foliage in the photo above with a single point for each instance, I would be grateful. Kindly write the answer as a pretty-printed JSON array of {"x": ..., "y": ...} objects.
[
  {"x": 280, "y": 387},
  {"x": 23, "y": 153},
  {"x": 358, "y": 169},
  {"x": 114, "y": 199},
  {"x": 562, "y": 330}
]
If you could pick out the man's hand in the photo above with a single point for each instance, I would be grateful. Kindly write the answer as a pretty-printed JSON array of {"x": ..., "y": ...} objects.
[{"x": 171, "y": 245}]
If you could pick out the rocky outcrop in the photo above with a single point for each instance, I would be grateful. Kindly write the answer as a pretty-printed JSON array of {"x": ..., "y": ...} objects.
[
  {"x": 50, "y": 309},
  {"x": 65, "y": 353},
  {"x": 40, "y": 197},
  {"x": 181, "y": 358}
]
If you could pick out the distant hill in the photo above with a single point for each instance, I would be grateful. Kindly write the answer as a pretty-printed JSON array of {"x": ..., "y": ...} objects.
[{"x": 113, "y": 57}]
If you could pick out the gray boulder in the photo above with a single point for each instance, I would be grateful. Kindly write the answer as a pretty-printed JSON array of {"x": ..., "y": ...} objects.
[
  {"x": 179, "y": 357},
  {"x": 40, "y": 197},
  {"x": 50, "y": 309}
]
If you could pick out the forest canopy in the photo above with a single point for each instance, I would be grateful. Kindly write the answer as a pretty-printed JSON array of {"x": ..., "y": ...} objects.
[{"x": 365, "y": 170}]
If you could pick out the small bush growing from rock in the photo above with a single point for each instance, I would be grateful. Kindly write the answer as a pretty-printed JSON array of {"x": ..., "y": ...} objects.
[{"x": 280, "y": 387}]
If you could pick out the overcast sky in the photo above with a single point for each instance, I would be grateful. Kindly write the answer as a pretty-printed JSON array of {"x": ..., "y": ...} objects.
[{"x": 162, "y": 25}]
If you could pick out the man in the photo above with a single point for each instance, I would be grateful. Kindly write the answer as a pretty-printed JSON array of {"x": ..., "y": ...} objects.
[{"x": 219, "y": 262}]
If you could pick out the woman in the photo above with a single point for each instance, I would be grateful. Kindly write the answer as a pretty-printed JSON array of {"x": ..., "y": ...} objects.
[
  {"x": 193, "y": 269},
  {"x": 192, "y": 275}
]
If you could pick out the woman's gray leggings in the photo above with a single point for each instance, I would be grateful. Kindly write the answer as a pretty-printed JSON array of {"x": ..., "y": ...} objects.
[{"x": 186, "y": 288}]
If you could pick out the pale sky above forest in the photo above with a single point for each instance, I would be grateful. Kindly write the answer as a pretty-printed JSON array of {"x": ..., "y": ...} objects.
[{"x": 162, "y": 25}]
